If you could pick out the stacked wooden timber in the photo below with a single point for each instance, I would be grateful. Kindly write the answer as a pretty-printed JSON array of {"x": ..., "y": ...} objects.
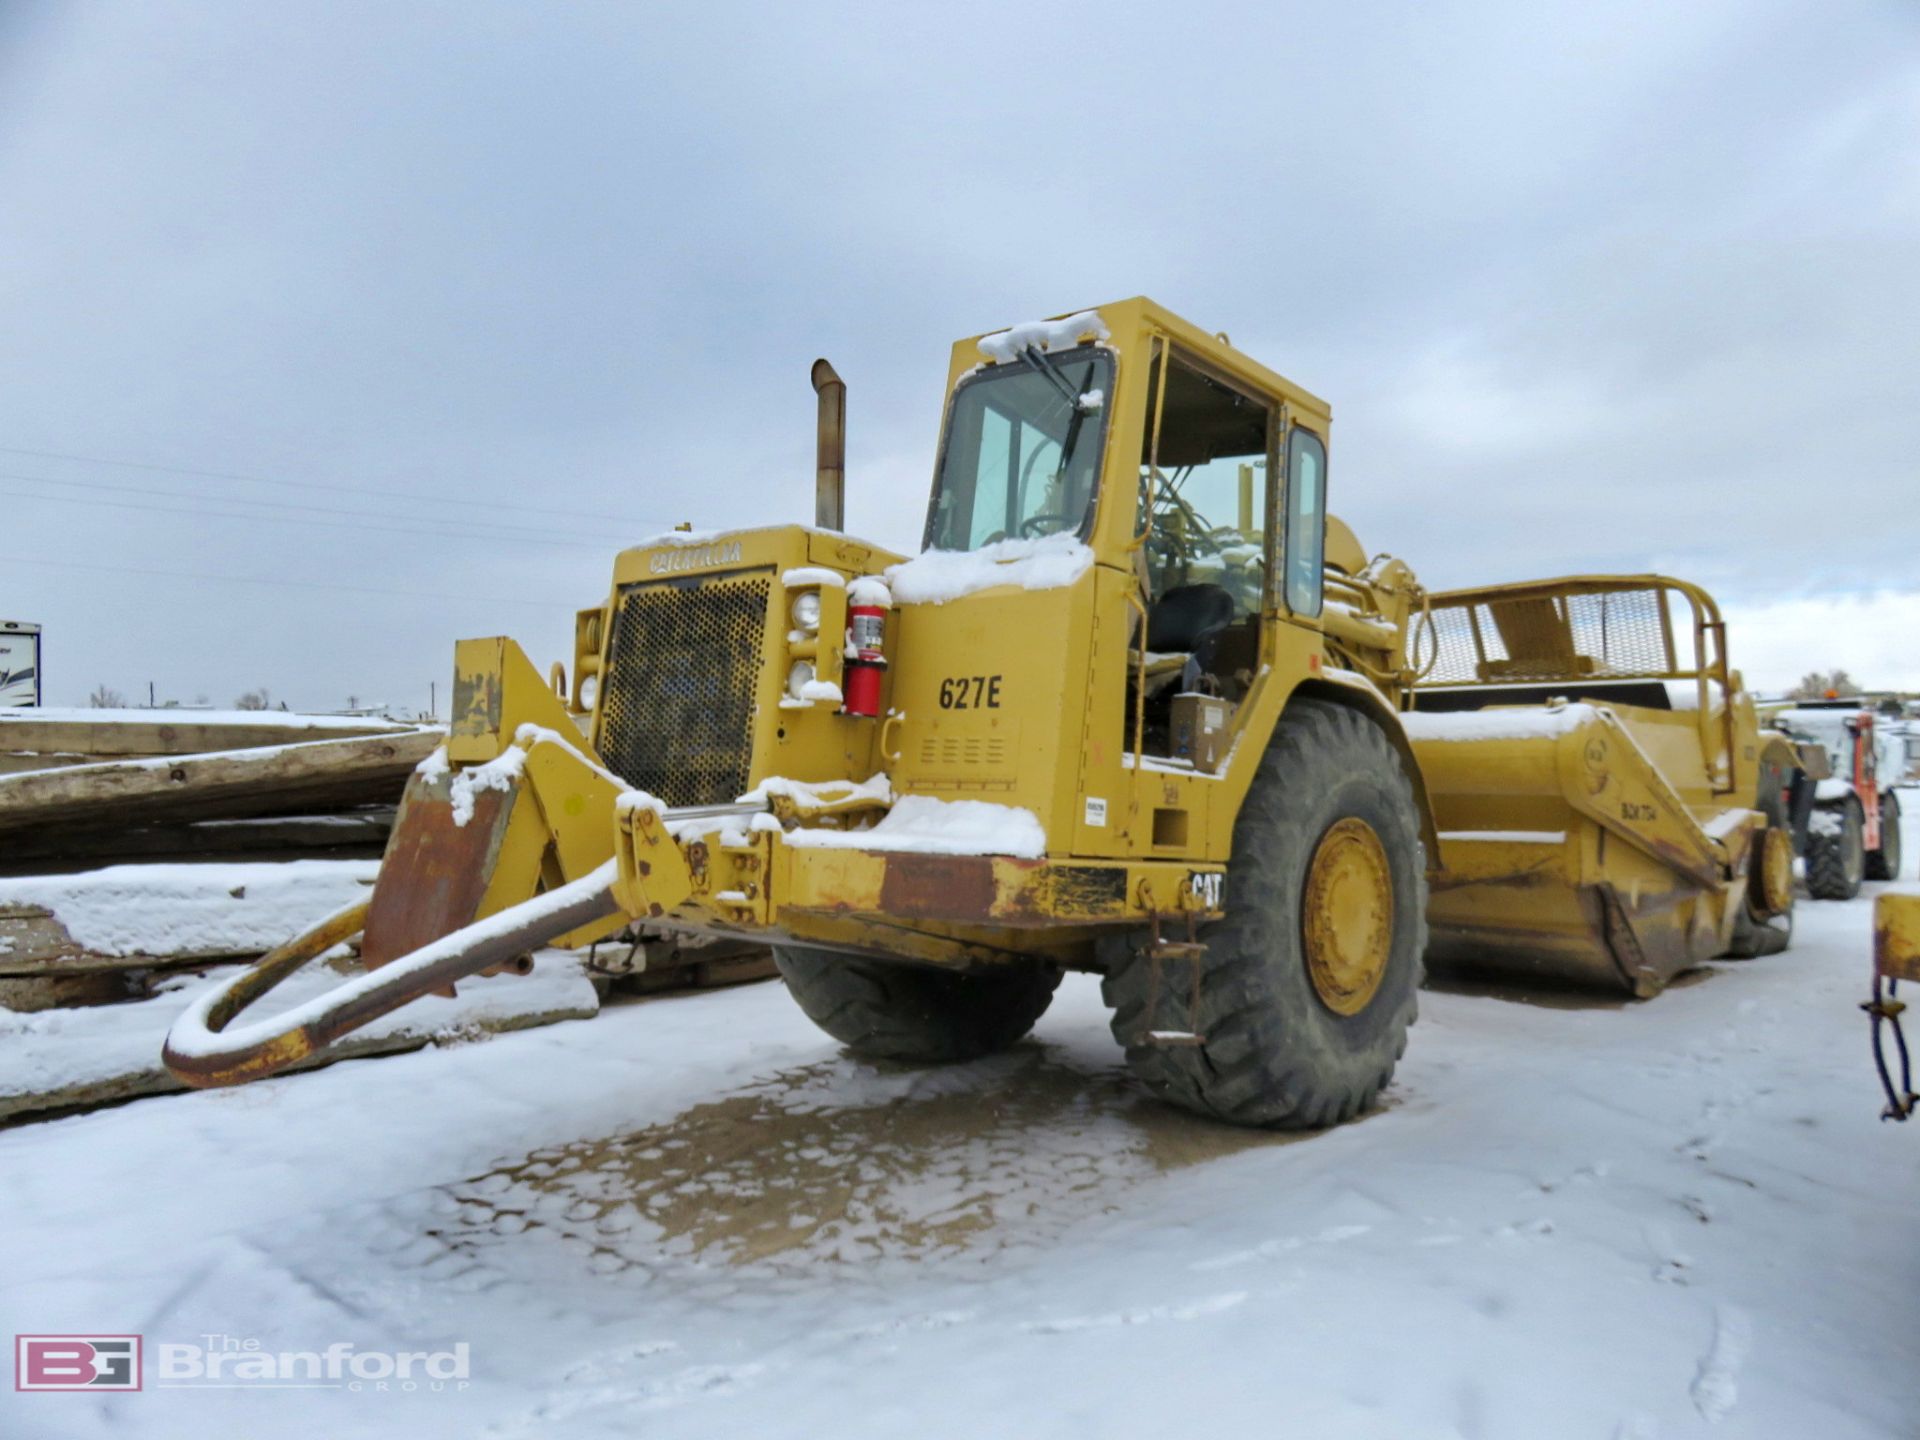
[
  {"x": 145, "y": 853},
  {"x": 89, "y": 787}
]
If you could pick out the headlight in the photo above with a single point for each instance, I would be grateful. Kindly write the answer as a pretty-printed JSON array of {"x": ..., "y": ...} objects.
[
  {"x": 806, "y": 610},
  {"x": 588, "y": 692},
  {"x": 799, "y": 677}
]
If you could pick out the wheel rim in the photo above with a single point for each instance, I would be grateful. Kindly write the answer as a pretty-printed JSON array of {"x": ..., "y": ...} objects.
[
  {"x": 1776, "y": 871},
  {"x": 1347, "y": 916}
]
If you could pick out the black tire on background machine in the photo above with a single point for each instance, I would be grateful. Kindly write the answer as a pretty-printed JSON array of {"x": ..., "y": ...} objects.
[
  {"x": 1884, "y": 863},
  {"x": 1836, "y": 858},
  {"x": 1755, "y": 932},
  {"x": 896, "y": 1011},
  {"x": 1274, "y": 1055}
]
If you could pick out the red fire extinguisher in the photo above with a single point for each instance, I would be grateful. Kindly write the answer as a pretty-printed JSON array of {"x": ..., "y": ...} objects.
[{"x": 866, "y": 637}]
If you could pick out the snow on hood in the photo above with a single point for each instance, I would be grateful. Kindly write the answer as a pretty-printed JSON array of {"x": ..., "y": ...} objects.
[
  {"x": 1522, "y": 723},
  {"x": 707, "y": 537},
  {"x": 811, "y": 575},
  {"x": 1011, "y": 343},
  {"x": 678, "y": 537},
  {"x": 1046, "y": 563},
  {"x": 927, "y": 826}
]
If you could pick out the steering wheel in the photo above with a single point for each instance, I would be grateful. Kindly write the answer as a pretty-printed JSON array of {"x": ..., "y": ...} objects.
[{"x": 1030, "y": 525}]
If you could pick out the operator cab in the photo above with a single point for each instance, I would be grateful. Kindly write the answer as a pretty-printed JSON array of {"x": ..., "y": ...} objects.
[{"x": 1202, "y": 459}]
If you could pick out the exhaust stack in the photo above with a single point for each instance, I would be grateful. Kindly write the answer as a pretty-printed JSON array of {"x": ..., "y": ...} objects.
[{"x": 830, "y": 467}]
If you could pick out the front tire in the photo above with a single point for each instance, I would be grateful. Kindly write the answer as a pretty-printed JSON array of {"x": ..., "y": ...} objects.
[
  {"x": 895, "y": 1011},
  {"x": 1884, "y": 863},
  {"x": 1309, "y": 983},
  {"x": 1836, "y": 851}
]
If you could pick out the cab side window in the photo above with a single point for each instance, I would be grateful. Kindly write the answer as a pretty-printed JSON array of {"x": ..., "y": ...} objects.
[
  {"x": 1306, "y": 529},
  {"x": 1204, "y": 472}
]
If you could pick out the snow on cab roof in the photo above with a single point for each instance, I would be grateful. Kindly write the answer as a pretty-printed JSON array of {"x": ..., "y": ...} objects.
[{"x": 1063, "y": 334}]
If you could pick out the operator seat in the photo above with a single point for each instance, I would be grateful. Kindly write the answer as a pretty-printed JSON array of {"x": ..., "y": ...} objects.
[{"x": 1186, "y": 614}]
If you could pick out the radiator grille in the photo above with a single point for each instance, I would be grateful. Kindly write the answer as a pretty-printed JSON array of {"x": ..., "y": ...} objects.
[
  {"x": 678, "y": 692},
  {"x": 1546, "y": 637}
]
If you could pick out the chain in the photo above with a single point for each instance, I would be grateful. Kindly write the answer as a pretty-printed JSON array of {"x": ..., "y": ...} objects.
[{"x": 1886, "y": 1010}]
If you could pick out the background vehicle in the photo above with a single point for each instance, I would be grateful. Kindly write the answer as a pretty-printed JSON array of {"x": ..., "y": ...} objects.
[
  {"x": 1853, "y": 831},
  {"x": 19, "y": 663}
]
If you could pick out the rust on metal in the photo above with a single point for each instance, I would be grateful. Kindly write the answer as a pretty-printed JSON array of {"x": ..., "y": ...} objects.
[
  {"x": 1092, "y": 891},
  {"x": 476, "y": 703},
  {"x": 938, "y": 887},
  {"x": 830, "y": 473},
  {"x": 1896, "y": 937},
  {"x": 435, "y": 871},
  {"x": 1159, "y": 951}
]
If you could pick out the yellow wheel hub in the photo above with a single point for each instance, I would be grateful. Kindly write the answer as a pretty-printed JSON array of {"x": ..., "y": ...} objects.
[
  {"x": 1776, "y": 871},
  {"x": 1346, "y": 916}
]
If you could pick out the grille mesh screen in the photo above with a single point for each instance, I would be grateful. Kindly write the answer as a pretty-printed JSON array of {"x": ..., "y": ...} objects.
[
  {"x": 677, "y": 695},
  {"x": 1615, "y": 634}
]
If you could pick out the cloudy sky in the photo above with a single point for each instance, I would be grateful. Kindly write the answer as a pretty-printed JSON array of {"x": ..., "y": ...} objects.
[{"x": 334, "y": 332}]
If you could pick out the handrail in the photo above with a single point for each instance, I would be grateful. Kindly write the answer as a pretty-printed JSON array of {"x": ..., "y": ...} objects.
[{"x": 1709, "y": 660}]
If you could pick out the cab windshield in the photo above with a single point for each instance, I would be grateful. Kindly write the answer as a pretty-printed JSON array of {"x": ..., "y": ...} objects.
[{"x": 1023, "y": 451}]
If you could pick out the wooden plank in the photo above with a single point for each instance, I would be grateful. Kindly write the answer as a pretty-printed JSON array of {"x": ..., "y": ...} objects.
[
  {"x": 358, "y": 834},
  {"x": 281, "y": 779},
  {"x": 33, "y": 942},
  {"x": 183, "y": 736},
  {"x": 11, "y": 762},
  {"x": 137, "y": 917},
  {"x": 112, "y": 1052},
  {"x": 27, "y": 993}
]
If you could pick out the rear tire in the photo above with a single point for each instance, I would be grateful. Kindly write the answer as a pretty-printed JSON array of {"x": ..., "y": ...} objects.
[
  {"x": 1757, "y": 930},
  {"x": 1756, "y": 933},
  {"x": 896, "y": 1011},
  {"x": 1836, "y": 851},
  {"x": 1294, "y": 1036},
  {"x": 1884, "y": 863}
]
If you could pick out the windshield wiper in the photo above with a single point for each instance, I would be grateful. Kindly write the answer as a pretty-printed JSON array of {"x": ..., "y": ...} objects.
[
  {"x": 1076, "y": 399},
  {"x": 1059, "y": 382},
  {"x": 1080, "y": 412}
]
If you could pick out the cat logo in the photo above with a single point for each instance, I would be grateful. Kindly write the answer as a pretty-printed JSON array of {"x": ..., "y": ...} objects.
[{"x": 693, "y": 557}]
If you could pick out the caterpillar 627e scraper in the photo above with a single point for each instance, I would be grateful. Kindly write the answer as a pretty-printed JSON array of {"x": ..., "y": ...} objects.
[{"x": 1141, "y": 707}]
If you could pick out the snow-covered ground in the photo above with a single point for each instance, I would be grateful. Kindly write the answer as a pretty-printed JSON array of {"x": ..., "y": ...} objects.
[{"x": 695, "y": 1217}]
